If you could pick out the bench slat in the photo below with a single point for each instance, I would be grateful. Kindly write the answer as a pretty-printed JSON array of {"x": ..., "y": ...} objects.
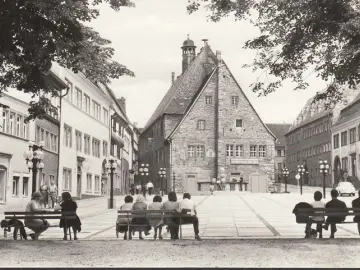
[
  {"x": 41, "y": 212},
  {"x": 39, "y": 217}
]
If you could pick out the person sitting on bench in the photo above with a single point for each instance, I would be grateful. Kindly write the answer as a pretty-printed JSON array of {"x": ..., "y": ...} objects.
[
  {"x": 316, "y": 219},
  {"x": 188, "y": 204},
  {"x": 37, "y": 225},
  {"x": 356, "y": 204}
]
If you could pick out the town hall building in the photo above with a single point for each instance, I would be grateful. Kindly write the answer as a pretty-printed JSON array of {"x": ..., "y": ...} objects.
[{"x": 205, "y": 130}]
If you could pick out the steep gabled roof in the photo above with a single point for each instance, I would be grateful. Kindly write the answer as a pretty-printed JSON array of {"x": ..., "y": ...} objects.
[
  {"x": 279, "y": 131},
  {"x": 180, "y": 94}
]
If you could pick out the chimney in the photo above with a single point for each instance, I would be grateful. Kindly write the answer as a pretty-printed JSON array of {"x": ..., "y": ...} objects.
[
  {"x": 122, "y": 102},
  {"x": 218, "y": 55},
  {"x": 135, "y": 124},
  {"x": 172, "y": 78}
]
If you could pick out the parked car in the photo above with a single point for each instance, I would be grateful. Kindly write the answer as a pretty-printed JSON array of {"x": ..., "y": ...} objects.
[{"x": 346, "y": 188}]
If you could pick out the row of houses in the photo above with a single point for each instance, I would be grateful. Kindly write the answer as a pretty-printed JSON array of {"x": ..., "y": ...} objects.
[
  {"x": 328, "y": 132},
  {"x": 88, "y": 127}
]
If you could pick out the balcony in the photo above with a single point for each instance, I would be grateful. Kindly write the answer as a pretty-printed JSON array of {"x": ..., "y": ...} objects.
[{"x": 117, "y": 139}]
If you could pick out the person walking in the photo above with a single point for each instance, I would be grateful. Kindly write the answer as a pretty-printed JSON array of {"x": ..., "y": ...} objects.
[
  {"x": 132, "y": 189},
  {"x": 356, "y": 204},
  {"x": 44, "y": 190},
  {"x": 137, "y": 189},
  {"x": 189, "y": 205},
  {"x": 53, "y": 193},
  {"x": 332, "y": 220},
  {"x": 149, "y": 187}
]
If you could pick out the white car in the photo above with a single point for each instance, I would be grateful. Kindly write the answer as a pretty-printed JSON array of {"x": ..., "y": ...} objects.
[{"x": 346, "y": 188}]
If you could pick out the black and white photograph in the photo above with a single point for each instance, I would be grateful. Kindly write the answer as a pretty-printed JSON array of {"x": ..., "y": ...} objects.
[{"x": 179, "y": 133}]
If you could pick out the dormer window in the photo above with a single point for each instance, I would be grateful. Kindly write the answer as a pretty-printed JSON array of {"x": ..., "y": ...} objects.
[
  {"x": 238, "y": 123},
  {"x": 235, "y": 100}
]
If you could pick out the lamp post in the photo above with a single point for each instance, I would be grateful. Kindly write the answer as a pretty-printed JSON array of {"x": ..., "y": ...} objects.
[
  {"x": 111, "y": 166},
  {"x": 162, "y": 174},
  {"x": 301, "y": 172},
  {"x": 174, "y": 178},
  {"x": 324, "y": 168},
  {"x": 143, "y": 171},
  {"x": 285, "y": 173},
  {"x": 34, "y": 157}
]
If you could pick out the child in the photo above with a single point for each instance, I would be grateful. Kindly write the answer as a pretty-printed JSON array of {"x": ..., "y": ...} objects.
[
  {"x": 156, "y": 223},
  {"x": 68, "y": 205},
  {"x": 316, "y": 219},
  {"x": 122, "y": 223}
]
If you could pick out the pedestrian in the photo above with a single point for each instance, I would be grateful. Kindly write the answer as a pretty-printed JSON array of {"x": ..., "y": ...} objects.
[
  {"x": 156, "y": 223},
  {"x": 137, "y": 189},
  {"x": 122, "y": 224},
  {"x": 172, "y": 223},
  {"x": 356, "y": 204},
  {"x": 132, "y": 189},
  {"x": 241, "y": 183},
  {"x": 316, "y": 219},
  {"x": 68, "y": 205},
  {"x": 52, "y": 194},
  {"x": 38, "y": 226},
  {"x": 189, "y": 205},
  {"x": 102, "y": 188},
  {"x": 44, "y": 190},
  {"x": 332, "y": 220},
  {"x": 149, "y": 187}
]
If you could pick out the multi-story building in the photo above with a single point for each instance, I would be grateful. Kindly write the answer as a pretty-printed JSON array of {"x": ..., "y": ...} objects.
[
  {"x": 309, "y": 139},
  {"x": 279, "y": 130},
  {"x": 135, "y": 157},
  {"x": 346, "y": 143},
  {"x": 205, "y": 128}
]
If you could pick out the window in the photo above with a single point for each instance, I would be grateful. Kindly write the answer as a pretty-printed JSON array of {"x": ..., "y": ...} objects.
[
  {"x": 69, "y": 96},
  {"x": 280, "y": 166},
  {"x": 336, "y": 141},
  {"x": 47, "y": 140},
  {"x": 344, "y": 163},
  {"x": 208, "y": 99},
  {"x": 235, "y": 100},
  {"x": 278, "y": 153},
  {"x": 11, "y": 124},
  {"x": 229, "y": 150},
  {"x": 67, "y": 179},
  {"x": 67, "y": 136},
  {"x": 239, "y": 150},
  {"x": 200, "y": 149},
  {"x": 96, "y": 110},
  {"x": 78, "y": 98},
  {"x": 105, "y": 149},
  {"x": 344, "y": 138},
  {"x": 252, "y": 150},
  {"x": 78, "y": 136},
  {"x": 106, "y": 116},
  {"x": 352, "y": 135},
  {"x": 87, "y": 103},
  {"x": 88, "y": 182},
  {"x": 97, "y": 183},
  {"x": 25, "y": 186},
  {"x": 262, "y": 150},
  {"x": 18, "y": 128},
  {"x": 196, "y": 151},
  {"x": 95, "y": 147},
  {"x": 16, "y": 185},
  {"x": 239, "y": 123},
  {"x": 86, "y": 144},
  {"x": 25, "y": 130},
  {"x": 191, "y": 151},
  {"x": 201, "y": 124}
]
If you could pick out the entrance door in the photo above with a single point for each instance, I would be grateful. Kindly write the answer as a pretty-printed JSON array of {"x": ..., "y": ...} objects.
[
  {"x": 353, "y": 165},
  {"x": 3, "y": 172},
  {"x": 78, "y": 194},
  {"x": 190, "y": 184}
]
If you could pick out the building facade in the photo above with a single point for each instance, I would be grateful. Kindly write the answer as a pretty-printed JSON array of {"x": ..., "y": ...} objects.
[
  {"x": 205, "y": 129},
  {"x": 279, "y": 130}
]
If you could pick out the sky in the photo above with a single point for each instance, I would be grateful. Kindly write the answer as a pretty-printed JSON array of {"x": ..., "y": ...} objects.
[{"x": 147, "y": 39}]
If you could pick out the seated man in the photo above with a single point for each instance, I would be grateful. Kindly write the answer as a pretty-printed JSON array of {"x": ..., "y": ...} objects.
[
  {"x": 188, "y": 204},
  {"x": 316, "y": 219},
  {"x": 332, "y": 220},
  {"x": 356, "y": 204}
]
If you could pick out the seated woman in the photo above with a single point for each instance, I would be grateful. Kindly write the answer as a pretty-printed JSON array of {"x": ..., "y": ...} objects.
[
  {"x": 68, "y": 205},
  {"x": 37, "y": 225},
  {"x": 140, "y": 224},
  {"x": 123, "y": 223},
  {"x": 172, "y": 223},
  {"x": 156, "y": 223}
]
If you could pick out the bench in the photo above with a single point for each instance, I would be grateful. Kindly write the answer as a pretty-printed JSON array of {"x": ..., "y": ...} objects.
[
  {"x": 160, "y": 214},
  {"x": 36, "y": 215}
]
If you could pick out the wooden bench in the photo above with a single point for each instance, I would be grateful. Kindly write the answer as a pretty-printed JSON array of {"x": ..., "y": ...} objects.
[
  {"x": 156, "y": 214},
  {"x": 37, "y": 215}
]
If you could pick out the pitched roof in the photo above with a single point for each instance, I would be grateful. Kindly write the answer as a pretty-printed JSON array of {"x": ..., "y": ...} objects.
[
  {"x": 180, "y": 94},
  {"x": 279, "y": 131}
]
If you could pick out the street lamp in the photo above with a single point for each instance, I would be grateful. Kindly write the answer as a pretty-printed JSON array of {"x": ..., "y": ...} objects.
[
  {"x": 301, "y": 172},
  {"x": 174, "y": 178},
  {"x": 324, "y": 168},
  {"x": 143, "y": 171},
  {"x": 285, "y": 173},
  {"x": 111, "y": 166},
  {"x": 34, "y": 157},
  {"x": 162, "y": 174}
]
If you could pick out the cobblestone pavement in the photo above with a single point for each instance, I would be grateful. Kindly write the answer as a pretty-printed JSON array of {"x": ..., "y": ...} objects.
[{"x": 225, "y": 215}]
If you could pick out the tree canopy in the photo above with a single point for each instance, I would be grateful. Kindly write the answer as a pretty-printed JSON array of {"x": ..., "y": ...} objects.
[
  {"x": 298, "y": 38},
  {"x": 36, "y": 33}
]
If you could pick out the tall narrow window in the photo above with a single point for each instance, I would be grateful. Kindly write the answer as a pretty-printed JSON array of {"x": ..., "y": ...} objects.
[
  {"x": 105, "y": 149},
  {"x": 235, "y": 100},
  {"x": 208, "y": 100},
  {"x": 201, "y": 124},
  {"x": 16, "y": 186},
  {"x": 11, "y": 123},
  {"x": 88, "y": 182},
  {"x": 18, "y": 128},
  {"x": 200, "y": 149},
  {"x": 70, "y": 94},
  {"x": 97, "y": 183},
  {"x": 78, "y": 135},
  {"x": 252, "y": 150},
  {"x": 344, "y": 138},
  {"x": 262, "y": 150},
  {"x": 106, "y": 116},
  {"x": 25, "y": 186},
  {"x": 67, "y": 179},
  {"x": 87, "y": 103},
  {"x": 78, "y": 98},
  {"x": 336, "y": 141},
  {"x": 191, "y": 151},
  {"x": 239, "y": 150},
  {"x": 229, "y": 150},
  {"x": 25, "y": 130},
  {"x": 352, "y": 135},
  {"x": 4, "y": 121}
]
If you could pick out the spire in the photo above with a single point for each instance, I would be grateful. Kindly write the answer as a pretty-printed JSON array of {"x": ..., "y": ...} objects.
[{"x": 188, "y": 53}]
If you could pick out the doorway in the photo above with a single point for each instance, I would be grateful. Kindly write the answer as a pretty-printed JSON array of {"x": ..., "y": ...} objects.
[
  {"x": 78, "y": 193},
  {"x": 190, "y": 183},
  {"x": 3, "y": 173}
]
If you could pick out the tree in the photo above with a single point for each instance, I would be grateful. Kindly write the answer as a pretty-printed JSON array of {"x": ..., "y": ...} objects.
[
  {"x": 298, "y": 36},
  {"x": 36, "y": 33}
]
